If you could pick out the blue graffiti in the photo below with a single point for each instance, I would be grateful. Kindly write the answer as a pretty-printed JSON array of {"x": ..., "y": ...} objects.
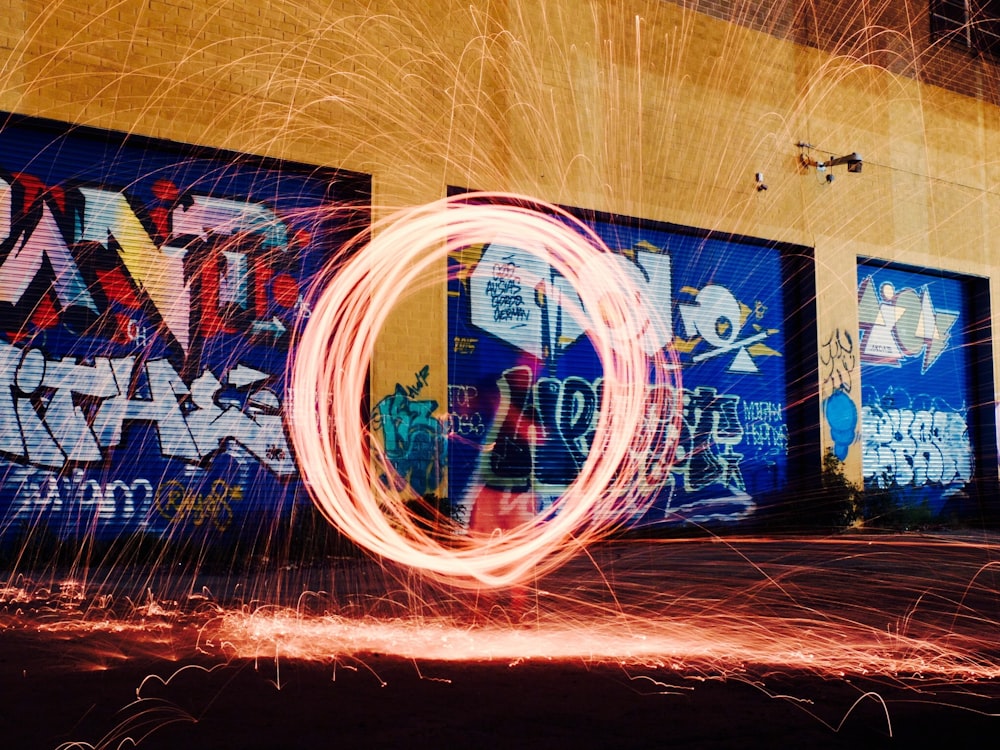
[
  {"x": 837, "y": 361},
  {"x": 413, "y": 439},
  {"x": 914, "y": 443},
  {"x": 842, "y": 417}
]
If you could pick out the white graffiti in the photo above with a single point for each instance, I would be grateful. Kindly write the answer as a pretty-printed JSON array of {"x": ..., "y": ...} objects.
[
  {"x": 54, "y": 412},
  {"x": 43, "y": 490},
  {"x": 518, "y": 297},
  {"x": 108, "y": 219},
  {"x": 763, "y": 411},
  {"x": 764, "y": 425},
  {"x": 897, "y": 324},
  {"x": 913, "y": 448},
  {"x": 717, "y": 318}
]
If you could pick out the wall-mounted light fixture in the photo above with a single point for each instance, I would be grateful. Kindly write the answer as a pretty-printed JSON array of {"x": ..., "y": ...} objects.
[{"x": 853, "y": 161}]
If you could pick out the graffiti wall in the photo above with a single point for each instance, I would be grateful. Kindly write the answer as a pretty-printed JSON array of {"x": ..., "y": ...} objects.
[
  {"x": 837, "y": 362},
  {"x": 525, "y": 381},
  {"x": 148, "y": 298},
  {"x": 916, "y": 384},
  {"x": 413, "y": 437}
]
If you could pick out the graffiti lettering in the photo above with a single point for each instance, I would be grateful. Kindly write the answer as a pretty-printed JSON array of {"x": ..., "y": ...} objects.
[
  {"x": 762, "y": 411},
  {"x": 57, "y": 412},
  {"x": 901, "y": 324},
  {"x": 464, "y": 345},
  {"x": 467, "y": 424},
  {"x": 764, "y": 425},
  {"x": 37, "y": 490},
  {"x": 543, "y": 432},
  {"x": 506, "y": 270},
  {"x": 179, "y": 504},
  {"x": 461, "y": 396},
  {"x": 421, "y": 380},
  {"x": 915, "y": 447},
  {"x": 83, "y": 257},
  {"x": 504, "y": 292},
  {"x": 136, "y": 333},
  {"x": 460, "y": 399},
  {"x": 837, "y": 362},
  {"x": 508, "y": 288},
  {"x": 413, "y": 439},
  {"x": 768, "y": 435}
]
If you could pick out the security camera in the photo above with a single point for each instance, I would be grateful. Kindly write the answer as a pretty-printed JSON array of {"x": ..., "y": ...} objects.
[{"x": 853, "y": 162}]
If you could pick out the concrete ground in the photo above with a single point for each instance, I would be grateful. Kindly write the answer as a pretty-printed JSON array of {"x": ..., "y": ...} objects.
[{"x": 849, "y": 641}]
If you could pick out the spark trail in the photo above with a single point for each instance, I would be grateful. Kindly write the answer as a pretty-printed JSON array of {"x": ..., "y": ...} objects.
[
  {"x": 916, "y": 612},
  {"x": 640, "y": 390}
]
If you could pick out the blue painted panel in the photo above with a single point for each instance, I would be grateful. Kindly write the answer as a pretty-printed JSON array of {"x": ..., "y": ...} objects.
[
  {"x": 515, "y": 363},
  {"x": 916, "y": 384},
  {"x": 148, "y": 296}
]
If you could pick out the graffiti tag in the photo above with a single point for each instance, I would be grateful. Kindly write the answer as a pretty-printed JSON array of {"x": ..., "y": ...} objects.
[
  {"x": 413, "y": 439},
  {"x": 899, "y": 324},
  {"x": 543, "y": 432},
  {"x": 504, "y": 292},
  {"x": 464, "y": 345},
  {"x": 37, "y": 490},
  {"x": 914, "y": 447},
  {"x": 59, "y": 412},
  {"x": 180, "y": 504},
  {"x": 837, "y": 362}
]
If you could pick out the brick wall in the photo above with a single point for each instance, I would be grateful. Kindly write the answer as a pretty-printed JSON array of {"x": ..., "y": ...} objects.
[
  {"x": 656, "y": 109},
  {"x": 895, "y": 35}
]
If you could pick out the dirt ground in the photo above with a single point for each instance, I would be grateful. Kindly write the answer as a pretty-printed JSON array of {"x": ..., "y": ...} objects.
[{"x": 160, "y": 682}]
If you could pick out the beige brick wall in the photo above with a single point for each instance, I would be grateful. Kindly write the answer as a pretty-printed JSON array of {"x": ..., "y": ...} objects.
[{"x": 640, "y": 107}]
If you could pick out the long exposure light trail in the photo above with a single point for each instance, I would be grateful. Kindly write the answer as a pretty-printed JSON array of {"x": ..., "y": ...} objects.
[
  {"x": 661, "y": 113},
  {"x": 774, "y": 613},
  {"x": 640, "y": 389},
  {"x": 721, "y": 645},
  {"x": 895, "y": 620}
]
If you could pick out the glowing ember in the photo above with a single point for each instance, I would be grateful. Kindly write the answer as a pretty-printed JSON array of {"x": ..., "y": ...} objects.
[
  {"x": 921, "y": 613},
  {"x": 718, "y": 645}
]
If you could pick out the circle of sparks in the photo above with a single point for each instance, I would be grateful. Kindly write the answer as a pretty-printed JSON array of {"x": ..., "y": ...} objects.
[{"x": 637, "y": 426}]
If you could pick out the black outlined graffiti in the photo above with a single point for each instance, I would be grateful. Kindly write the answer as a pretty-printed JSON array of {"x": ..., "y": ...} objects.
[
  {"x": 914, "y": 443},
  {"x": 837, "y": 362},
  {"x": 413, "y": 439},
  {"x": 543, "y": 430},
  {"x": 63, "y": 412},
  {"x": 504, "y": 293}
]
